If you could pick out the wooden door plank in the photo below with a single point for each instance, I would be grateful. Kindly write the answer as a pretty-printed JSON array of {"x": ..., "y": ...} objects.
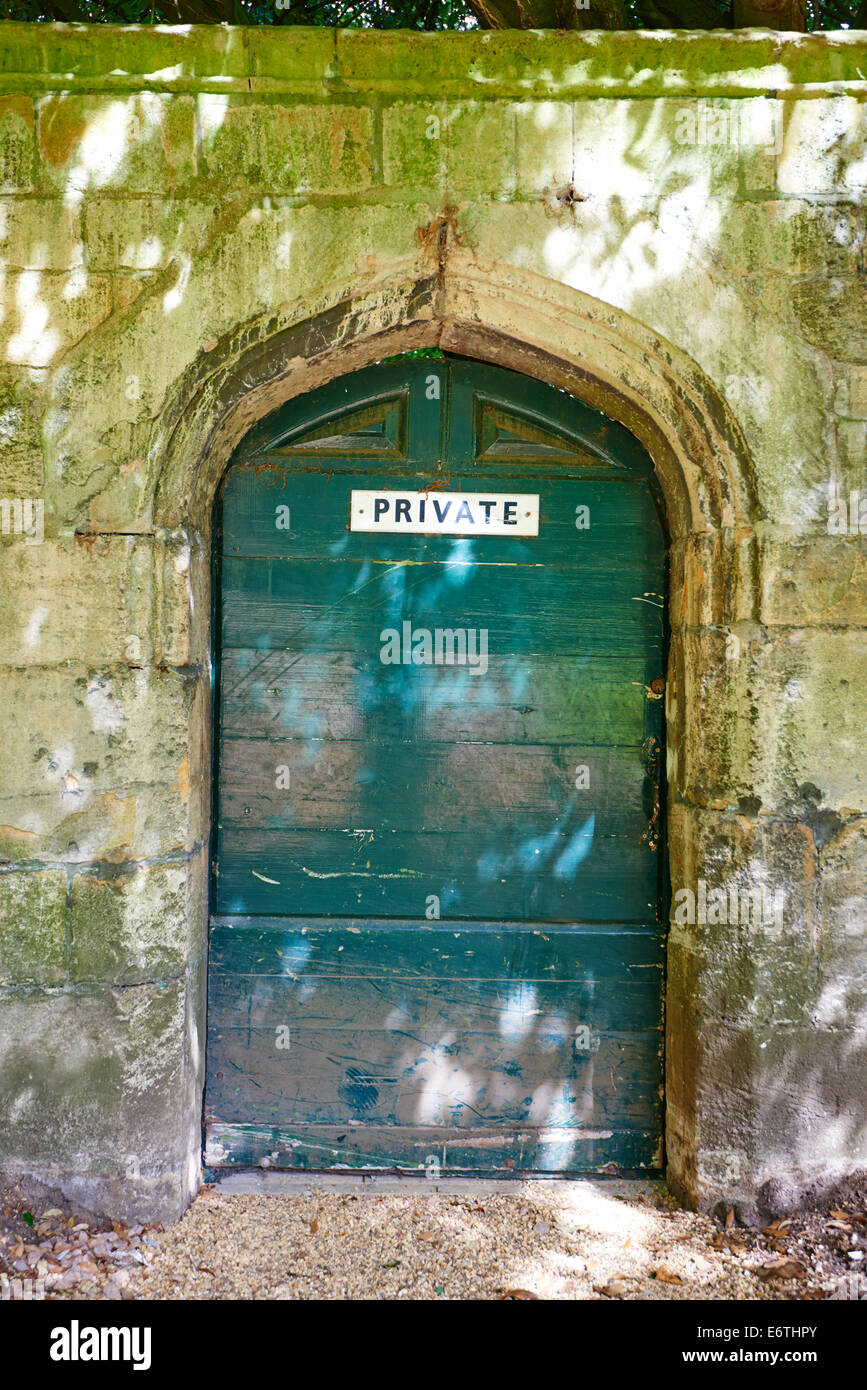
[
  {"x": 618, "y": 1002},
  {"x": 453, "y": 1077},
  {"x": 597, "y": 700},
  {"x": 327, "y": 784},
  {"x": 274, "y": 603},
  {"x": 559, "y": 874},
  {"x": 509, "y": 1151},
  {"x": 357, "y": 948}
]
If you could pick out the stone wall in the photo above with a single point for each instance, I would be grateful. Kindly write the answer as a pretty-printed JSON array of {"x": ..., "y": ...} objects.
[{"x": 198, "y": 224}]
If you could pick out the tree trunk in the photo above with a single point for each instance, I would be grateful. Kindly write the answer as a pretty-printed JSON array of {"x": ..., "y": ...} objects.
[
  {"x": 550, "y": 14},
  {"x": 788, "y": 15}
]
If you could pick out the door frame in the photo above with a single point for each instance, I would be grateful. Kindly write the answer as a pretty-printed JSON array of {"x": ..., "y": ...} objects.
[{"x": 609, "y": 360}]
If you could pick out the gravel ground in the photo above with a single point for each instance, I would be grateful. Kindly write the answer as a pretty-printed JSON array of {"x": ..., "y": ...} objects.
[{"x": 543, "y": 1240}]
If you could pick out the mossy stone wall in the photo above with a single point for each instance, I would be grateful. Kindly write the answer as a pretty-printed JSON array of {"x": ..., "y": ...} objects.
[{"x": 196, "y": 224}]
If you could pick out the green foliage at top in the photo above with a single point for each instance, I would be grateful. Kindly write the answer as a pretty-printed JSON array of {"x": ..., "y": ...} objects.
[
  {"x": 424, "y": 15},
  {"x": 367, "y": 14}
]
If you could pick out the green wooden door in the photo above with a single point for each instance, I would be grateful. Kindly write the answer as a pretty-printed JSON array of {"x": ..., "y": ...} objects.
[{"x": 436, "y": 937}]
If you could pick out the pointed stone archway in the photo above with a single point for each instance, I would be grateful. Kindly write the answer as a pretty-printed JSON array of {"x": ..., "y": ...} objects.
[{"x": 608, "y": 360}]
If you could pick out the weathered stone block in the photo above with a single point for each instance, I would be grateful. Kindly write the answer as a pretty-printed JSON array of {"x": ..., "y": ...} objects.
[
  {"x": 773, "y": 721},
  {"x": 104, "y": 829},
  {"x": 21, "y": 468},
  {"x": 110, "y": 779},
  {"x": 830, "y": 314},
  {"x": 414, "y": 143},
  {"x": 143, "y": 234},
  {"x": 653, "y": 148},
  {"x": 733, "y": 851},
  {"x": 32, "y": 927},
  {"x": 132, "y": 54},
  {"x": 113, "y": 827},
  {"x": 806, "y": 1088},
  {"x": 142, "y": 142},
  {"x": 52, "y": 313},
  {"x": 755, "y": 976},
  {"x": 305, "y": 64},
  {"x": 711, "y": 582},
  {"x": 785, "y": 237},
  {"x": 852, "y": 452},
  {"x": 92, "y": 1080},
  {"x": 757, "y": 363},
  {"x": 79, "y": 733},
  {"x": 824, "y": 150},
  {"x": 814, "y": 580},
  {"x": 293, "y": 149},
  {"x": 183, "y": 576},
  {"x": 17, "y": 154},
  {"x": 759, "y": 139},
  {"x": 851, "y": 398},
  {"x": 132, "y": 928},
  {"x": 40, "y": 234},
  {"x": 544, "y": 146},
  {"x": 86, "y": 600},
  {"x": 481, "y": 150},
  {"x": 843, "y": 936}
]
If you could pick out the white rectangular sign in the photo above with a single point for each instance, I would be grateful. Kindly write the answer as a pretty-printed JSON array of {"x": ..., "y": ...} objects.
[{"x": 446, "y": 513}]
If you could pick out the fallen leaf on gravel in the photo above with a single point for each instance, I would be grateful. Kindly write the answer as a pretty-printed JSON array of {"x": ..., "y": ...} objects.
[
  {"x": 777, "y": 1228},
  {"x": 665, "y": 1276},
  {"x": 516, "y": 1293},
  {"x": 52, "y": 1211},
  {"x": 782, "y": 1269},
  {"x": 613, "y": 1289},
  {"x": 726, "y": 1240},
  {"x": 426, "y": 1235},
  {"x": 205, "y": 1270},
  {"x": 730, "y": 1218},
  {"x": 840, "y": 1225},
  {"x": 314, "y": 1225}
]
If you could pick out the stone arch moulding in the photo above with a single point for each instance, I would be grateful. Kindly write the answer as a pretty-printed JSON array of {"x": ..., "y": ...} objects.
[
  {"x": 497, "y": 314},
  {"x": 544, "y": 329}
]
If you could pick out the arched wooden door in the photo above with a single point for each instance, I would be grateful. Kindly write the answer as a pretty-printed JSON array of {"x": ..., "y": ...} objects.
[{"x": 436, "y": 937}]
